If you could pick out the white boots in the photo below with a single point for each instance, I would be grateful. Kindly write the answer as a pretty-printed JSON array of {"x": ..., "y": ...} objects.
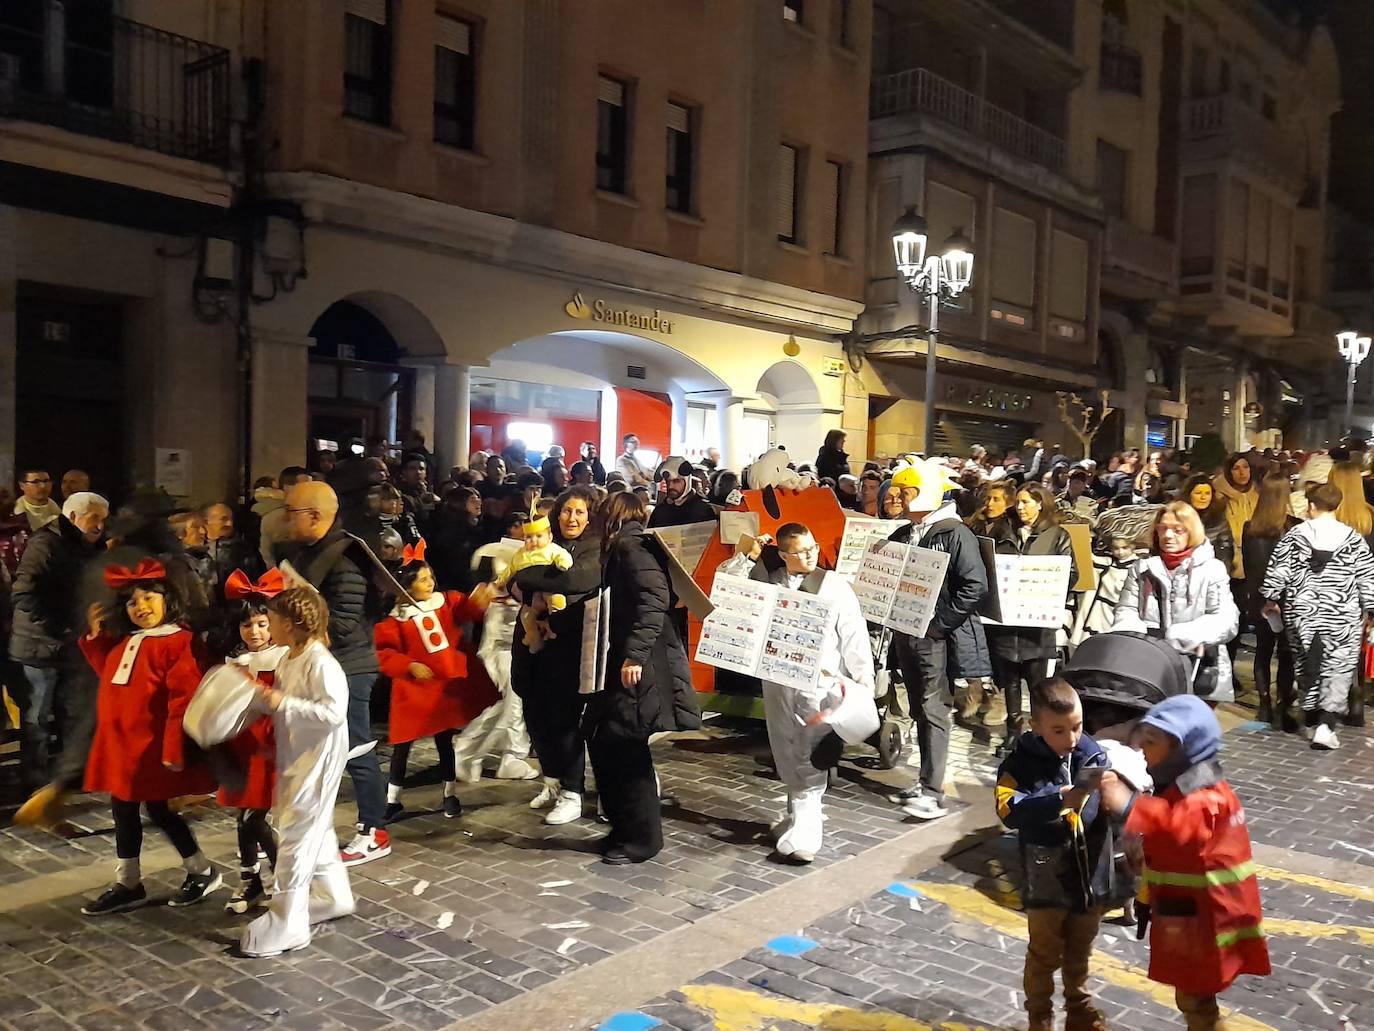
[
  {"x": 800, "y": 833},
  {"x": 285, "y": 926}
]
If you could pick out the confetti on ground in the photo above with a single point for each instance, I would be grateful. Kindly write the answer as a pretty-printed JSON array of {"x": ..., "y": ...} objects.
[
  {"x": 445, "y": 920},
  {"x": 419, "y": 888},
  {"x": 571, "y": 925},
  {"x": 567, "y": 944},
  {"x": 555, "y": 884}
]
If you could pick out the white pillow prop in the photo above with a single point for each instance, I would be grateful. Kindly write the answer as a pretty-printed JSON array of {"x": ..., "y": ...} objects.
[
  {"x": 855, "y": 717},
  {"x": 223, "y": 705}
]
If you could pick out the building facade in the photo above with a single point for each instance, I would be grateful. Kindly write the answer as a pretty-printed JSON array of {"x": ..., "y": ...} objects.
[
  {"x": 558, "y": 220},
  {"x": 1146, "y": 182}
]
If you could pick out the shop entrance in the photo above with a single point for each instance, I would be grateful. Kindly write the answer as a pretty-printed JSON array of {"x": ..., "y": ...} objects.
[
  {"x": 358, "y": 390},
  {"x": 956, "y": 433}
]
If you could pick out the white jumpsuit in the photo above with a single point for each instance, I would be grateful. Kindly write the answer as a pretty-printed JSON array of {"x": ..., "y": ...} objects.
[
  {"x": 846, "y": 650},
  {"x": 500, "y": 729},
  {"x": 312, "y": 746}
]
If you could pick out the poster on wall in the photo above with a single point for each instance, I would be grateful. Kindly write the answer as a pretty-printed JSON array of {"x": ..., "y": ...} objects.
[
  {"x": 897, "y": 585},
  {"x": 763, "y": 630},
  {"x": 859, "y": 533},
  {"x": 172, "y": 471}
]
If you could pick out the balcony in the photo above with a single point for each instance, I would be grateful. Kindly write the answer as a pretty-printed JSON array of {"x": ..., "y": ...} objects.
[
  {"x": 922, "y": 92},
  {"x": 1120, "y": 69},
  {"x": 1137, "y": 264},
  {"x": 144, "y": 86},
  {"x": 1216, "y": 128}
]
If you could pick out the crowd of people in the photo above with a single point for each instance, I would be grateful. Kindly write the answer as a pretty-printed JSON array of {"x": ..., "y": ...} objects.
[{"x": 462, "y": 607}]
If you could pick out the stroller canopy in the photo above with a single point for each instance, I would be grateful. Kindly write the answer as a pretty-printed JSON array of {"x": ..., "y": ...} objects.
[{"x": 1128, "y": 669}]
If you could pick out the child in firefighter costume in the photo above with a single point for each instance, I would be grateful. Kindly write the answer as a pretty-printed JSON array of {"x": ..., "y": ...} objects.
[
  {"x": 1202, "y": 898},
  {"x": 309, "y": 705},
  {"x": 437, "y": 685},
  {"x": 143, "y": 656},
  {"x": 795, "y": 716},
  {"x": 254, "y": 748}
]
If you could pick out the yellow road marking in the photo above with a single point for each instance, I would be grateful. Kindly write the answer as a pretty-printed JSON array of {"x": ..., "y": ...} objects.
[
  {"x": 734, "y": 1009},
  {"x": 1307, "y": 880},
  {"x": 1312, "y": 929},
  {"x": 973, "y": 904}
]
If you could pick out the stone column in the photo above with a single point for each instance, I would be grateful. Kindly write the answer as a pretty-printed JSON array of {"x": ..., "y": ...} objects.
[
  {"x": 1134, "y": 419},
  {"x": 9, "y": 344},
  {"x": 422, "y": 409},
  {"x": 732, "y": 433},
  {"x": 281, "y": 365},
  {"x": 452, "y": 414}
]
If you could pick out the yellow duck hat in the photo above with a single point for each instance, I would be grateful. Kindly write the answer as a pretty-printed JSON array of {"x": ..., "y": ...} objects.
[
  {"x": 930, "y": 476},
  {"x": 536, "y": 523}
]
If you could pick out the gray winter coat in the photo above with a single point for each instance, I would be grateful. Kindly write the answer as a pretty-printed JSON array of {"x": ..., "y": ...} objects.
[{"x": 1190, "y": 607}]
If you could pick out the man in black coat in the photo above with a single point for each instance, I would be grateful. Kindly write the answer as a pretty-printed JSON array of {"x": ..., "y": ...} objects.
[
  {"x": 47, "y": 621},
  {"x": 341, "y": 568},
  {"x": 678, "y": 504},
  {"x": 935, "y": 524}
]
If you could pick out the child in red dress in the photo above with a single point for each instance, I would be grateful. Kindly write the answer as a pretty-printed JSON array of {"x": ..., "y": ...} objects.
[
  {"x": 148, "y": 673},
  {"x": 255, "y": 748},
  {"x": 437, "y": 684}
]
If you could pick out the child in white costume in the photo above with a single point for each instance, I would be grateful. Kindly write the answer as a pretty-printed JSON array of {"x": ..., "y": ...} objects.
[
  {"x": 500, "y": 729},
  {"x": 792, "y": 713},
  {"x": 309, "y": 705}
]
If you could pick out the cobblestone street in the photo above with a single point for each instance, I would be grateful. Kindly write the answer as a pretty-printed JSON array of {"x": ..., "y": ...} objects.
[{"x": 496, "y": 921}]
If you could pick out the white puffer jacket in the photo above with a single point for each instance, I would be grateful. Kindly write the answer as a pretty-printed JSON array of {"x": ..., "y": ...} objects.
[{"x": 1192, "y": 605}]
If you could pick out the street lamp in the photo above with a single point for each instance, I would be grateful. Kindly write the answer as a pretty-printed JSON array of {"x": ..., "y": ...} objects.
[
  {"x": 1354, "y": 349},
  {"x": 938, "y": 279}
]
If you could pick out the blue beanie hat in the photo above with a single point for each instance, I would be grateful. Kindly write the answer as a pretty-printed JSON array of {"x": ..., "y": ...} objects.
[{"x": 1189, "y": 719}]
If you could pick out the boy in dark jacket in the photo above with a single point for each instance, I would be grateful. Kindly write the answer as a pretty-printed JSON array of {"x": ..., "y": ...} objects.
[{"x": 1066, "y": 855}]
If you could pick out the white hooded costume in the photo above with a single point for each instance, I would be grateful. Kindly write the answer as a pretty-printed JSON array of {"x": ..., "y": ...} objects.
[
  {"x": 845, "y": 651},
  {"x": 312, "y": 746}
]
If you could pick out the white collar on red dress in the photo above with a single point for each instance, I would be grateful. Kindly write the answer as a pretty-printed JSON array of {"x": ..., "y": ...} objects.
[
  {"x": 132, "y": 646},
  {"x": 405, "y": 610}
]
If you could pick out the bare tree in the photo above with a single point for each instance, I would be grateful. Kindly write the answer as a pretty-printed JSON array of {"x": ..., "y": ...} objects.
[{"x": 1085, "y": 420}]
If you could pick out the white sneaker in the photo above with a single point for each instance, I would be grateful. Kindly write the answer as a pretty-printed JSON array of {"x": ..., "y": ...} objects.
[
  {"x": 925, "y": 807},
  {"x": 512, "y": 767},
  {"x": 1309, "y": 732},
  {"x": 567, "y": 809},
  {"x": 366, "y": 846},
  {"x": 547, "y": 796},
  {"x": 1324, "y": 737}
]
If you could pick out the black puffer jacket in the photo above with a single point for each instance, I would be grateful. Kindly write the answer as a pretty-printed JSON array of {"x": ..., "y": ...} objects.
[
  {"x": 557, "y": 667},
  {"x": 332, "y": 565},
  {"x": 636, "y": 576},
  {"x": 695, "y": 509},
  {"x": 47, "y": 612}
]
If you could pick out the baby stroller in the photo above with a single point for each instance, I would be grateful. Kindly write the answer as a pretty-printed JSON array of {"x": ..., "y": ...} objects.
[{"x": 1119, "y": 676}]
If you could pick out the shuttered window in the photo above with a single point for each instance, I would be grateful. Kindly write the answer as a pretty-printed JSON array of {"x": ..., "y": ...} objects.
[
  {"x": 1280, "y": 243},
  {"x": 455, "y": 83},
  {"x": 789, "y": 191},
  {"x": 792, "y": 11},
  {"x": 1197, "y": 241},
  {"x": 946, "y": 210},
  {"x": 1237, "y": 220},
  {"x": 612, "y": 135},
  {"x": 681, "y": 165},
  {"x": 1013, "y": 259},
  {"x": 367, "y": 61},
  {"x": 1069, "y": 276},
  {"x": 832, "y": 196}
]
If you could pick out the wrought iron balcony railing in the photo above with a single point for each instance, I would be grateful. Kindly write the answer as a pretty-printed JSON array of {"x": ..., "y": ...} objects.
[{"x": 126, "y": 82}]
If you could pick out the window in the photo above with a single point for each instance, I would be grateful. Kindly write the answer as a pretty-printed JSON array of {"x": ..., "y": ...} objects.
[
  {"x": 455, "y": 83},
  {"x": 789, "y": 190},
  {"x": 844, "y": 27},
  {"x": 1197, "y": 73},
  {"x": 1246, "y": 92},
  {"x": 1112, "y": 166},
  {"x": 1224, "y": 77},
  {"x": 1069, "y": 276},
  {"x": 1269, "y": 107},
  {"x": 792, "y": 11},
  {"x": 1013, "y": 258},
  {"x": 832, "y": 194},
  {"x": 1197, "y": 242},
  {"x": 681, "y": 158},
  {"x": 612, "y": 137},
  {"x": 367, "y": 61}
]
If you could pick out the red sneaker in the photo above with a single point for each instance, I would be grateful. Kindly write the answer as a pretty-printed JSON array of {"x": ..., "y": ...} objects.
[{"x": 366, "y": 846}]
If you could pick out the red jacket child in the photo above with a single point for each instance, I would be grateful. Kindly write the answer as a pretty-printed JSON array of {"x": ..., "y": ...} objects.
[
  {"x": 1203, "y": 896},
  {"x": 147, "y": 679},
  {"x": 427, "y": 634}
]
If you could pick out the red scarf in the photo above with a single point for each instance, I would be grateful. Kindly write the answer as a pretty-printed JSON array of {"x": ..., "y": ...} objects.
[{"x": 1172, "y": 562}]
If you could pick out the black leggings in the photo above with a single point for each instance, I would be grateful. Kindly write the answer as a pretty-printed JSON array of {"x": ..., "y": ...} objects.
[
  {"x": 255, "y": 832},
  {"x": 129, "y": 828},
  {"x": 400, "y": 754}
]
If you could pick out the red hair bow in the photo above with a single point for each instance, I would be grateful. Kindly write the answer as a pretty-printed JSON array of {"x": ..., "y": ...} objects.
[
  {"x": 415, "y": 554},
  {"x": 119, "y": 577},
  {"x": 239, "y": 586}
]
